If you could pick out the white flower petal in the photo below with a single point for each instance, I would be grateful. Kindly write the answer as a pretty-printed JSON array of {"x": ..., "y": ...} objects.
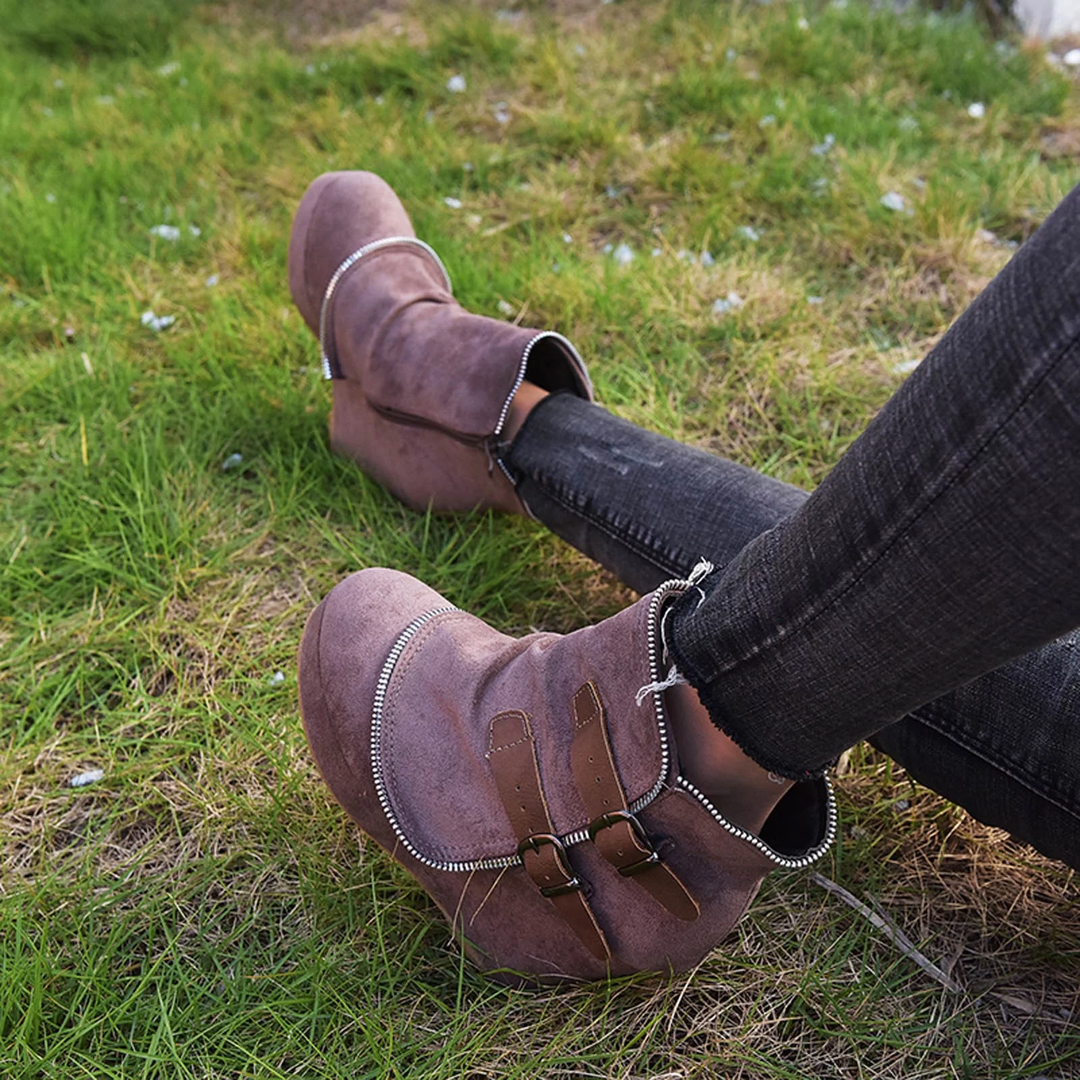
[
  {"x": 91, "y": 776},
  {"x": 732, "y": 302},
  {"x": 156, "y": 322}
]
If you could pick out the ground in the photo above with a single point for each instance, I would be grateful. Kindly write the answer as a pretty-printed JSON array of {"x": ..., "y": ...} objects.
[{"x": 203, "y": 909}]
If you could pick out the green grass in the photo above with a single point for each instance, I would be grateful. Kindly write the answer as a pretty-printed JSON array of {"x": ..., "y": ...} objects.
[{"x": 205, "y": 910}]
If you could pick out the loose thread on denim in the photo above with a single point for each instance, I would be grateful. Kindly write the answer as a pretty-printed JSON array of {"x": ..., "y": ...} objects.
[
  {"x": 673, "y": 679},
  {"x": 702, "y": 569}
]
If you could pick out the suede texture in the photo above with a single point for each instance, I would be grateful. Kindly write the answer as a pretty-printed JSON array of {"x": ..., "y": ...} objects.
[
  {"x": 418, "y": 466},
  {"x": 339, "y": 213},
  {"x": 437, "y": 377},
  {"x": 437, "y": 774},
  {"x": 448, "y": 684}
]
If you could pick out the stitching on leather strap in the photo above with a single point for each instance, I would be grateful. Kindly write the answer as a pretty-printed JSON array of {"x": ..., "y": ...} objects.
[
  {"x": 618, "y": 835},
  {"x": 517, "y": 776}
]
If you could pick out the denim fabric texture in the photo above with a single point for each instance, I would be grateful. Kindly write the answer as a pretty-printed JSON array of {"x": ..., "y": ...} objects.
[
  {"x": 943, "y": 544},
  {"x": 916, "y": 595}
]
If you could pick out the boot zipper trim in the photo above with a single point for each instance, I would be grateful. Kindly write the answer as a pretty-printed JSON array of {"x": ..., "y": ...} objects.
[
  {"x": 379, "y": 704},
  {"x": 523, "y": 366},
  {"x": 330, "y": 367},
  {"x": 659, "y": 598},
  {"x": 491, "y": 444},
  {"x": 786, "y": 862},
  {"x": 377, "y": 708},
  {"x": 579, "y": 836}
]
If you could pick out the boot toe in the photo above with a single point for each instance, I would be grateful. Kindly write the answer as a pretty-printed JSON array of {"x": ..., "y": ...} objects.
[
  {"x": 345, "y": 644},
  {"x": 339, "y": 213}
]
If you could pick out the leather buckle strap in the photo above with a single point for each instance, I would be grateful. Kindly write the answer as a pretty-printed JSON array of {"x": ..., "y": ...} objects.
[
  {"x": 618, "y": 835},
  {"x": 534, "y": 843},
  {"x": 620, "y": 817},
  {"x": 512, "y": 756}
]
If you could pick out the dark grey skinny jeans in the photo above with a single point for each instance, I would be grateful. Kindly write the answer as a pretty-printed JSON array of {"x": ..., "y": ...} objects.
[{"x": 917, "y": 597}]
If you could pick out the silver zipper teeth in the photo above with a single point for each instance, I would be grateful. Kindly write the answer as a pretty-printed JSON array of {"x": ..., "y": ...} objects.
[
  {"x": 377, "y": 707},
  {"x": 522, "y": 367},
  {"x": 785, "y": 861},
  {"x": 347, "y": 265},
  {"x": 524, "y": 364}
]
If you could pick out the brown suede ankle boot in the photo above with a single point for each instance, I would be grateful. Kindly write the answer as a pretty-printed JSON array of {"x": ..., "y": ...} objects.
[
  {"x": 531, "y": 786},
  {"x": 422, "y": 388}
]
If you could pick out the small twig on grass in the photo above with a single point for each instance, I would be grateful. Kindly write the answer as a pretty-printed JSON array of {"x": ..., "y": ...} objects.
[
  {"x": 896, "y": 935},
  {"x": 496, "y": 229}
]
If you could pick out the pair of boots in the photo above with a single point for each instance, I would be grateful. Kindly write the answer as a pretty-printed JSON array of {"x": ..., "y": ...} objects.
[{"x": 532, "y": 786}]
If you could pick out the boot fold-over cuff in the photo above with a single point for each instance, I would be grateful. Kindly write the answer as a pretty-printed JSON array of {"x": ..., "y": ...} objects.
[
  {"x": 526, "y": 788},
  {"x": 424, "y": 361},
  {"x": 438, "y": 781},
  {"x": 331, "y": 368}
]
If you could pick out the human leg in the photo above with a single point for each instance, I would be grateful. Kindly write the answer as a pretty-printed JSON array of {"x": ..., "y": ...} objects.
[
  {"x": 718, "y": 869},
  {"x": 1001, "y": 746},
  {"x": 944, "y": 544}
]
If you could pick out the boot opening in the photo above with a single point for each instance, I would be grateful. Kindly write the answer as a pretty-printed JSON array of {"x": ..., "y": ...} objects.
[
  {"x": 799, "y": 821},
  {"x": 552, "y": 368}
]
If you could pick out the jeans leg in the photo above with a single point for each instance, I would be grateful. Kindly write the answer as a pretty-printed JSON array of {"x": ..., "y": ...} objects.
[
  {"x": 645, "y": 507},
  {"x": 1002, "y": 746},
  {"x": 945, "y": 543}
]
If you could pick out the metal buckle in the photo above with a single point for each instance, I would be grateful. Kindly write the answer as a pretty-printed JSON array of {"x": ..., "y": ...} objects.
[
  {"x": 613, "y": 817},
  {"x": 535, "y": 843}
]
